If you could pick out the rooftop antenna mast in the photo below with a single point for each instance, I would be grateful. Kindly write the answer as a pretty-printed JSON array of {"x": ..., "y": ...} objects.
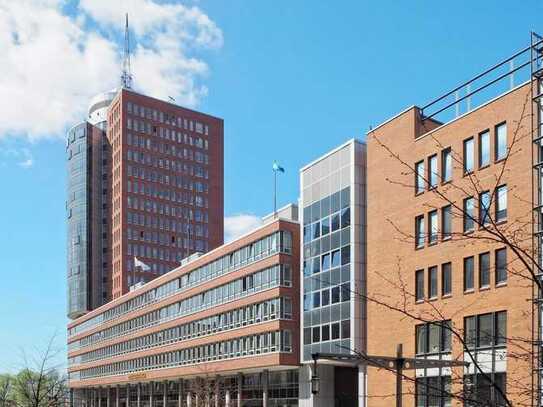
[{"x": 126, "y": 75}]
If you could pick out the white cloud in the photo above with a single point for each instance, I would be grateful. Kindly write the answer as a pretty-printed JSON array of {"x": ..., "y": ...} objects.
[
  {"x": 12, "y": 153},
  {"x": 237, "y": 225},
  {"x": 53, "y": 63},
  {"x": 29, "y": 162}
]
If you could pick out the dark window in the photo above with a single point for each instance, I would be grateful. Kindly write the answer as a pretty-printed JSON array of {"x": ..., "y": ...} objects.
[
  {"x": 316, "y": 299},
  {"x": 484, "y": 269},
  {"x": 484, "y": 208},
  {"x": 325, "y": 298},
  {"x": 446, "y": 165},
  {"x": 433, "y": 337},
  {"x": 345, "y": 255},
  {"x": 501, "y": 203},
  {"x": 336, "y": 258},
  {"x": 500, "y": 142},
  {"x": 432, "y": 282},
  {"x": 485, "y": 330},
  {"x": 501, "y": 265},
  {"x": 345, "y": 329},
  {"x": 446, "y": 221},
  {"x": 419, "y": 177},
  {"x": 345, "y": 292},
  {"x": 419, "y": 285},
  {"x": 419, "y": 231},
  {"x": 433, "y": 173},
  {"x": 325, "y": 333},
  {"x": 335, "y": 222},
  {"x": 468, "y": 155},
  {"x": 446, "y": 279},
  {"x": 335, "y": 330},
  {"x": 335, "y": 295},
  {"x": 469, "y": 214},
  {"x": 468, "y": 273},
  {"x": 433, "y": 228},
  {"x": 316, "y": 334},
  {"x": 484, "y": 149},
  {"x": 345, "y": 217}
]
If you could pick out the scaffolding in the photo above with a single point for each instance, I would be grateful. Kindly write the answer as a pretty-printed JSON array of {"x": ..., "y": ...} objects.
[{"x": 536, "y": 77}]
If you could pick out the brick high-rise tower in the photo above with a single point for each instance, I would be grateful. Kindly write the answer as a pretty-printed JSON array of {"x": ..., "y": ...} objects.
[
  {"x": 166, "y": 186},
  {"x": 145, "y": 180}
]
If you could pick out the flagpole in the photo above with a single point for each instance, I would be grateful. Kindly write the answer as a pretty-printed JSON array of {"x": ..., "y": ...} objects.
[{"x": 274, "y": 194}]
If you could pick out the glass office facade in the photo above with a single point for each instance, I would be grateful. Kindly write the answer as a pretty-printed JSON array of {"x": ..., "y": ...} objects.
[
  {"x": 333, "y": 251},
  {"x": 78, "y": 211}
]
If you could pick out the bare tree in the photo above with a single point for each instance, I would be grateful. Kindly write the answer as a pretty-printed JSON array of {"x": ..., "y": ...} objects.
[
  {"x": 516, "y": 235},
  {"x": 6, "y": 390},
  {"x": 40, "y": 382}
]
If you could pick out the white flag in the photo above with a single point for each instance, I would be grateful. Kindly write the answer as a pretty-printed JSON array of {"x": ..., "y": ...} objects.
[{"x": 139, "y": 263}]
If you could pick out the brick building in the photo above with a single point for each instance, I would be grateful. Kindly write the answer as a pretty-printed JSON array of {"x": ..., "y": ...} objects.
[
  {"x": 443, "y": 199},
  {"x": 222, "y": 327}
]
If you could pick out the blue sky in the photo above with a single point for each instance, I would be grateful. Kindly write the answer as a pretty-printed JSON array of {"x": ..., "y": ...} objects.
[{"x": 292, "y": 79}]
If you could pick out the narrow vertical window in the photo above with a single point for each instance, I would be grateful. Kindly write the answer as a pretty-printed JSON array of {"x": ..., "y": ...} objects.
[
  {"x": 501, "y": 265},
  {"x": 468, "y": 155},
  {"x": 446, "y": 279},
  {"x": 468, "y": 273},
  {"x": 484, "y": 270},
  {"x": 419, "y": 285},
  {"x": 500, "y": 143},
  {"x": 446, "y": 222},
  {"x": 433, "y": 174},
  {"x": 501, "y": 203},
  {"x": 433, "y": 228},
  {"x": 432, "y": 282},
  {"x": 469, "y": 214},
  {"x": 484, "y": 149},
  {"x": 419, "y": 231},
  {"x": 419, "y": 177},
  {"x": 446, "y": 165},
  {"x": 484, "y": 208}
]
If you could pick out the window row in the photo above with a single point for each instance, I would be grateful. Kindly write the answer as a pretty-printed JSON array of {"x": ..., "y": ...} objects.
[
  {"x": 279, "y": 275},
  {"x": 327, "y": 206},
  {"x": 484, "y": 269},
  {"x": 430, "y": 232},
  {"x": 149, "y": 143},
  {"x": 484, "y": 205},
  {"x": 181, "y": 212},
  {"x": 166, "y": 118},
  {"x": 157, "y": 162},
  {"x": 179, "y": 181},
  {"x": 433, "y": 338},
  {"x": 327, "y": 332},
  {"x": 163, "y": 223},
  {"x": 277, "y": 242},
  {"x": 327, "y": 261},
  {"x": 428, "y": 288},
  {"x": 251, "y": 314},
  {"x": 277, "y": 341},
  {"x": 428, "y": 173},
  {"x": 432, "y": 281},
  {"x": 165, "y": 239},
  {"x": 329, "y": 224},
  {"x": 165, "y": 149},
  {"x": 328, "y": 296},
  {"x": 484, "y": 149}
]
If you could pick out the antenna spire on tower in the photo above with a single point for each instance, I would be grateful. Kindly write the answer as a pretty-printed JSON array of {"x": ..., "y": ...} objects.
[{"x": 126, "y": 75}]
